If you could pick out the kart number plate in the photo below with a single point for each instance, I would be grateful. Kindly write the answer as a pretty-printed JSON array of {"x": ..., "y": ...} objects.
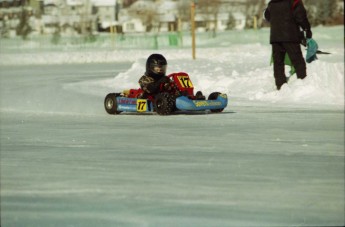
[
  {"x": 185, "y": 82},
  {"x": 141, "y": 105}
]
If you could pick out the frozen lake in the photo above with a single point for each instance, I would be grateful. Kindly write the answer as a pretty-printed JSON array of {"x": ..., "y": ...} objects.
[{"x": 65, "y": 162}]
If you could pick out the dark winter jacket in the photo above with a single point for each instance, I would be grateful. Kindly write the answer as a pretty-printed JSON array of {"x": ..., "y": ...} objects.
[
  {"x": 151, "y": 83},
  {"x": 286, "y": 17}
]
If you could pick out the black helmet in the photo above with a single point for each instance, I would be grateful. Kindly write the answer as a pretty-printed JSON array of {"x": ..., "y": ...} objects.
[{"x": 156, "y": 65}]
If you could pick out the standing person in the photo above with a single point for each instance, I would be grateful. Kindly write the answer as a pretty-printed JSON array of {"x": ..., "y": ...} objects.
[
  {"x": 155, "y": 75},
  {"x": 286, "y": 18}
]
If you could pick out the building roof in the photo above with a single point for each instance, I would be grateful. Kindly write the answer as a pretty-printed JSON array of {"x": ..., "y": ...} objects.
[
  {"x": 103, "y": 2},
  {"x": 51, "y": 2},
  {"x": 167, "y": 5},
  {"x": 74, "y": 2},
  {"x": 142, "y": 5}
]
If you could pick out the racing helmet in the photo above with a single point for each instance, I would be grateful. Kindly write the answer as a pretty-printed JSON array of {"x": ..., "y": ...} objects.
[{"x": 156, "y": 65}]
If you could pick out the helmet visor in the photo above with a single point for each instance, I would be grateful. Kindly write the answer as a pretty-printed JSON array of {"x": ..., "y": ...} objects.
[{"x": 159, "y": 69}]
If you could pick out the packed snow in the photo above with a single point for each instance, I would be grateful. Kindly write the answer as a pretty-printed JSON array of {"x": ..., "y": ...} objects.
[{"x": 272, "y": 158}]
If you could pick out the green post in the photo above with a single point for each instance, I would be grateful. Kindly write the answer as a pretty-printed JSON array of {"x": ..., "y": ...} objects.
[
  {"x": 155, "y": 42},
  {"x": 173, "y": 40}
]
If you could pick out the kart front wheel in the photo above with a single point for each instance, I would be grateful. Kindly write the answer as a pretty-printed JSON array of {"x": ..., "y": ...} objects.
[
  {"x": 164, "y": 103},
  {"x": 214, "y": 96},
  {"x": 110, "y": 104}
]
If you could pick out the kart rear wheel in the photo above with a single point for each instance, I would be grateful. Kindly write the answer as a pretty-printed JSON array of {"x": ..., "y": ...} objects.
[
  {"x": 164, "y": 103},
  {"x": 110, "y": 104},
  {"x": 214, "y": 96}
]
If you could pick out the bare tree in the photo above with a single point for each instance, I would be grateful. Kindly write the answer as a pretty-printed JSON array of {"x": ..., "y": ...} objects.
[
  {"x": 210, "y": 10},
  {"x": 183, "y": 8},
  {"x": 23, "y": 29},
  {"x": 252, "y": 10},
  {"x": 322, "y": 12},
  {"x": 147, "y": 14}
]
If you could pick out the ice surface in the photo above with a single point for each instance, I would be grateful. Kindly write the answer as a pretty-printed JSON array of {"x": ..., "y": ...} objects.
[{"x": 271, "y": 159}]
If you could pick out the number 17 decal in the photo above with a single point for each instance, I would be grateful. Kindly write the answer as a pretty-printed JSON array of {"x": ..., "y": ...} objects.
[
  {"x": 185, "y": 81},
  {"x": 141, "y": 105}
]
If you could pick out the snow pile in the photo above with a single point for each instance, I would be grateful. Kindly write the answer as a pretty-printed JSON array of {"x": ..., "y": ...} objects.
[{"x": 249, "y": 76}]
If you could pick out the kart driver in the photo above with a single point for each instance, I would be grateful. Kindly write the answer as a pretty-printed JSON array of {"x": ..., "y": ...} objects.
[{"x": 155, "y": 75}]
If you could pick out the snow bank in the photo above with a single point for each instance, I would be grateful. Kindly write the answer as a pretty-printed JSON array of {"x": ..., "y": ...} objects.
[{"x": 249, "y": 76}]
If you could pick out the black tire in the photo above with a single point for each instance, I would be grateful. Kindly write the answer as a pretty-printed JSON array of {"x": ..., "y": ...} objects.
[
  {"x": 110, "y": 104},
  {"x": 214, "y": 96},
  {"x": 164, "y": 103}
]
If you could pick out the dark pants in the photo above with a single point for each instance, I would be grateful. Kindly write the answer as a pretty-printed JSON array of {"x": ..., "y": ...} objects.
[{"x": 294, "y": 51}]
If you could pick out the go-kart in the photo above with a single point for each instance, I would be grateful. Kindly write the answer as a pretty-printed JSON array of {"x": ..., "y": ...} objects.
[{"x": 176, "y": 95}]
